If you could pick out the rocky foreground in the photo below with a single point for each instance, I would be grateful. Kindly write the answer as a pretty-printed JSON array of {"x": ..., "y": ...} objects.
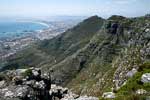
[{"x": 31, "y": 84}]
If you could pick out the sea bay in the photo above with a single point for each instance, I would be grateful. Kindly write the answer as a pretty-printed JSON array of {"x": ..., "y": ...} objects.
[{"x": 18, "y": 28}]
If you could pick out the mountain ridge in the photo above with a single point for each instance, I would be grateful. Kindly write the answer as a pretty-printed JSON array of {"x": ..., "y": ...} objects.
[{"x": 95, "y": 56}]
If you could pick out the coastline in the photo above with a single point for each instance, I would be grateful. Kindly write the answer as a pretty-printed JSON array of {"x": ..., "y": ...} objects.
[
  {"x": 37, "y": 22},
  {"x": 22, "y": 21}
]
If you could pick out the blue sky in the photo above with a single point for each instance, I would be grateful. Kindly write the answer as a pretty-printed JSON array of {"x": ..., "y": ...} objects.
[{"x": 102, "y": 8}]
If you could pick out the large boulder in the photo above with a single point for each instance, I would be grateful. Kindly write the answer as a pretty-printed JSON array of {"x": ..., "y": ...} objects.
[{"x": 145, "y": 78}]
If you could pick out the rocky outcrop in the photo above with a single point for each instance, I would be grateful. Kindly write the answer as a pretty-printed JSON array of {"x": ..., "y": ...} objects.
[
  {"x": 31, "y": 84},
  {"x": 136, "y": 52},
  {"x": 28, "y": 84},
  {"x": 145, "y": 78}
]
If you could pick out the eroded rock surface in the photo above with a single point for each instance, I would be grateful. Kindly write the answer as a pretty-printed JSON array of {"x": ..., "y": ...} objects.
[{"x": 31, "y": 84}]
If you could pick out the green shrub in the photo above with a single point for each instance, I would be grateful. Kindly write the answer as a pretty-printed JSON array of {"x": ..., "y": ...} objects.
[
  {"x": 27, "y": 73},
  {"x": 135, "y": 83},
  {"x": 131, "y": 97},
  {"x": 146, "y": 65}
]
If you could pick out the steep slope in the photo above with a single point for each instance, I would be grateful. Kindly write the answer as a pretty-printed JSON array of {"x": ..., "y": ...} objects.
[
  {"x": 134, "y": 62},
  {"x": 48, "y": 52},
  {"x": 95, "y": 56},
  {"x": 93, "y": 62},
  {"x": 74, "y": 39},
  {"x": 110, "y": 54}
]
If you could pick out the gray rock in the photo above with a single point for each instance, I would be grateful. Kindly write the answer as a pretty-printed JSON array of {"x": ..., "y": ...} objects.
[
  {"x": 87, "y": 98},
  {"x": 21, "y": 91},
  {"x": 9, "y": 94},
  {"x": 108, "y": 95},
  {"x": 25, "y": 87},
  {"x": 35, "y": 87},
  {"x": 35, "y": 73},
  {"x": 19, "y": 72},
  {"x": 131, "y": 73},
  {"x": 40, "y": 85},
  {"x": 30, "y": 83},
  {"x": 141, "y": 91},
  {"x": 147, "y": 30},
  {"x": 145, "y": 78},
  {"x": 14, "y": 91},
  {"x": 58, "y": 90},
  {"x": 70, "y": 96},
  {"x": 2, "y": 83},
  {"x": 80, "y": 98}
]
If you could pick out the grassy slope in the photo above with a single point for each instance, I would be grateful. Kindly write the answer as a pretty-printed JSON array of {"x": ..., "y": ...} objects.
[{"x": 87, "y": 71}]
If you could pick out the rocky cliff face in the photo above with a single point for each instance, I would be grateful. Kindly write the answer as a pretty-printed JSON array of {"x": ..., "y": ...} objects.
[{"x": 96, "y": 56}]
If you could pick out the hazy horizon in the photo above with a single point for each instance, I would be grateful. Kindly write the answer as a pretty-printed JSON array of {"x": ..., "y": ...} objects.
[{"x": 45, "y": 8}]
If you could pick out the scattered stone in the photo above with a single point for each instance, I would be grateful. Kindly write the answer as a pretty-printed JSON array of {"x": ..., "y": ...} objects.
[
  {"x": 40, "y": 85},
  {"x": 147, "y": 30},
  {"x": 145, "y": 78},
  {"x": 141, "y": 91},
  {"x": 108, "y": 95},
  {"x": 35, "y": 72},
  {"x": 9, "y": 94},
  {"x": 131, "y": 73}
]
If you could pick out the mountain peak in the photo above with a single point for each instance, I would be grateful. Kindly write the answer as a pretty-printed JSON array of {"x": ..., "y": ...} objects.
[
  {"x": 92, "y": 18},
  {"x": 116, "y": 17}
]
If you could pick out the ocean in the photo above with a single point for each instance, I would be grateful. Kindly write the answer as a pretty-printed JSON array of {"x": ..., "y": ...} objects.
[{"x": 19, "y": 28}]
